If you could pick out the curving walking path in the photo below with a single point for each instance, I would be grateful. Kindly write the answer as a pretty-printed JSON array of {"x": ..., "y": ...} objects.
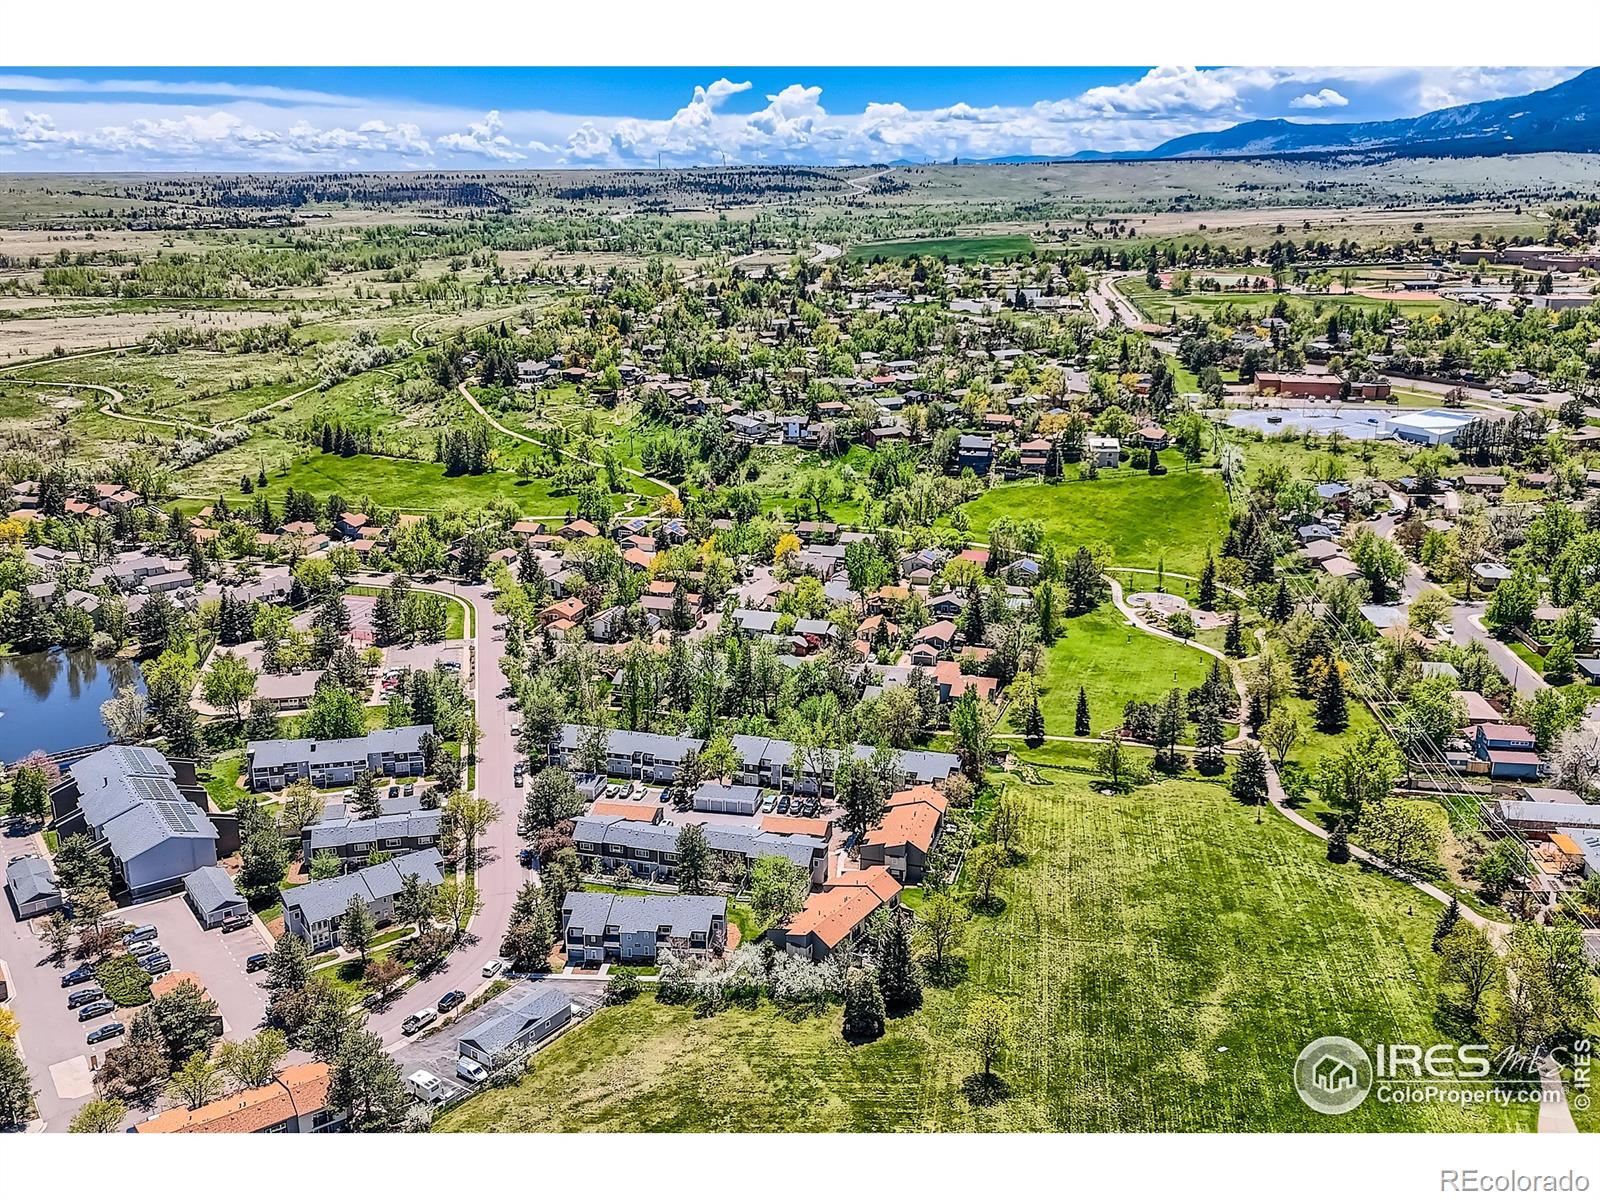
[{"x": 561, "y": 450}]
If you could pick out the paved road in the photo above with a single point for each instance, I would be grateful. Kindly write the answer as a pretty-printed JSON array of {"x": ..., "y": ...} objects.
[{"x": 499, "y": 874}]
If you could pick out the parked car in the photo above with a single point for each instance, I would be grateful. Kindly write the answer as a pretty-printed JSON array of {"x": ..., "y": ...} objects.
[
  {"x": 770, "y": 804},
  {"x": 525, "y": 857},
  {"x": 410, "y": 789},
  {"x": 100, "y": 1008},
  {"x": 783, "y": 804},
  {"x": 156, "y": 964},
  {"x": 472, "y": 1072},
  {"x": 420, "y": 1019},
  {"x": 492, "y": 968},
  {"x": 85, "y": 996},
  {"x": 141, "y": 949},
  {"x": 77, "y": 975},
  {"x": 232, "y": 923},
  {"x": 516, "y": 731},
  {"x": 105, "y": 1033},
  {"x": 451, "y": 999},
  {"x": 144, "y": 933},
  {"x": 394, "y": 792},
  {"x": 256, "y": 962}
]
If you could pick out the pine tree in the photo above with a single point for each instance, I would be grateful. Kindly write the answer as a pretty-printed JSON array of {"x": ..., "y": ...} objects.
[
  {"x": 863, "y": 1008},
  {"x": 1033, "y": 730},
  {"x": 1208, "y": 736},
  {"x": 1250, "y": 777},
  {"x": 1207, "y": 592},
  {"x": 365, "y": 803},
  {"x": 1333, "y": 711},
  {"x": 1447, "y": 921},
  {"x": 899, "y": 978},
  {"x": 1233, "y": 644},
  {"x": 1282, "y": 604},
  {"x": 1339, "y": 845},
  {"x": 1080, "y": 725}
]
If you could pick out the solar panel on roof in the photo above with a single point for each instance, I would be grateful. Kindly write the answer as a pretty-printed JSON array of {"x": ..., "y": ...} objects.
[{"x": 177, "y": 816}]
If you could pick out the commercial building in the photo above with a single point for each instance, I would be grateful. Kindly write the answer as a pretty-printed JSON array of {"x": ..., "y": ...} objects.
[{"x": 1428, "y": 427}]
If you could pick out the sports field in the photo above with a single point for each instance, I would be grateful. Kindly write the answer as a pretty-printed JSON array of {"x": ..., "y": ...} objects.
[{"x": 954, "y": 249}]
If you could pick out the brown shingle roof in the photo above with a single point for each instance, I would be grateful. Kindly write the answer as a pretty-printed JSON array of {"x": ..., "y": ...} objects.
[{"x": 297, "y": 1091}]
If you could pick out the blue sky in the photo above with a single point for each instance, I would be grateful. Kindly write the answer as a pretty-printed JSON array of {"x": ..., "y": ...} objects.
[{"x": 303, "y": 118}]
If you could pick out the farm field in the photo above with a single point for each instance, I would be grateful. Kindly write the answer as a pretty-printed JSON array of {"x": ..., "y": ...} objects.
[
  {"x": 1143, "y": 518},
  {"x": 1160, "y": 305},
  {"x": 1166, "y": 959}
]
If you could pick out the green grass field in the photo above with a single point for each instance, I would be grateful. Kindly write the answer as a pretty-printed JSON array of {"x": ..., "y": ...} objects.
[
  {"x": 955, "y": 249},
  {"x": 407, "y": 484},
  {"x": 1166, "y": 959},
  {"x": 1143, "y": 518},
  {"x": 1114, "y": 663}
]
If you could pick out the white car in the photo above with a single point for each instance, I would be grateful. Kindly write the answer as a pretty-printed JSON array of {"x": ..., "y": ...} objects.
[
  {"x": 1496, "y": 394},
  {"x": 492, "y": 968},
  {"x": 472, "y": 1072}
]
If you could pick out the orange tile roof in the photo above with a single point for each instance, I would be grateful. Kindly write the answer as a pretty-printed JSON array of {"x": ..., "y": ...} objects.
[
  {"x": 906, "y": 825},
  {"x": 835, "y": 913},
  {"x": 809, "y": 826},
  {"x": 299, "y": 1090},
  {"x": 626, "y": 809},
  {"x": 923, "y": 793},
  {"x": 875, "y": 879}
]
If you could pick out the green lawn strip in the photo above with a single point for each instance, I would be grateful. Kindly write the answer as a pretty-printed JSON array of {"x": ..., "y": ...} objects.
[
  {"x": 456, "y": 624},
  {"x": 1145, "y": 519},
  {"x": 221, "y": 780},
  {"x": 1166, "y": 959}
]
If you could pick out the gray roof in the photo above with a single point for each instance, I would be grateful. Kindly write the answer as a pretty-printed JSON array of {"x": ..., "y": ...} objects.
[
  {"x": 150, "y": 824},
  {"x": 327, "y": 898},
  {"x": 494, "y": 1034},
  {"x": 342, "y": 831},
  {"x": 281, "y": 752},
  {"x": 748, "y": 842},
  {"x": 212, "y": 890},
  {"x": 30, "y": 879},
  {"x": 623, "y": 743},
  {"x": 683, "y": 915},
  {"x": 727, "y": 791},
  {"x": 755, "y": 620}
]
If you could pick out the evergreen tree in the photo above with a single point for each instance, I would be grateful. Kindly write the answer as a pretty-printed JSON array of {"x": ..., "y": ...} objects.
[
  {"x": 1333, "y": 710},
  {"x": 1206, "y": 594},
  {"x": 1249, "y": 784},
  {"x": 899, "y": 977},
  {"x": 863, "y": 1008},
  {"x": 1282, "y": 603},
  {"x": 1447, "y": 922},
  {"x": 1080, "y": 725},
  {"x": 1233, "y": 644},
  {"x": 1034, "y": 727},
  {"x": 1339, "y": 844},
  {"x": 366, "y": 804}
]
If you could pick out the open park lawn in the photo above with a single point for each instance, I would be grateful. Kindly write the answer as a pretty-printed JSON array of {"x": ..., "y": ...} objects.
[
  {"x": 1114, "y": 663},
  {"x": 1143, "y": 518},
  {"x": 1167, "y": 958}
]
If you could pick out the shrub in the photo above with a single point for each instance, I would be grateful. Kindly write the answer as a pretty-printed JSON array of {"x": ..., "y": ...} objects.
[{"x": 127, "y": 984}]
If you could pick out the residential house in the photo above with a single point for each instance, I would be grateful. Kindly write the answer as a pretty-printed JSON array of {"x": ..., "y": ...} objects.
[
  {"x": 313, "y": 910},
  {"x": 296, "y": 1101},
  {"x": 599, "y": 927},
  {"x": 32, "y": 886},
  {"x": 903, "y": 839},
  {"x": 833, "y": 919},
  {"x": 335, "y": 762},
  {"x": 1104, "y": 452}
]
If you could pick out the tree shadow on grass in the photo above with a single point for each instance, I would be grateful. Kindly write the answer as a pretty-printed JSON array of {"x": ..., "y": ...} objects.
[
  {"x": 991, "y": 907},
  {"x": 1456, "y": 1021},
  {"x": 984, "y": 1090},
  {"x": 950, "y": 973}
]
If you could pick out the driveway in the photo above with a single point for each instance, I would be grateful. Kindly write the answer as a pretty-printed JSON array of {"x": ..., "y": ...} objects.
[{"x": 60, "y": 1062}]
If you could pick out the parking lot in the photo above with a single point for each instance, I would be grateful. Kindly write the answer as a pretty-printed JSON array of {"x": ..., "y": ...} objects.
[{"x": 61, "y": 1063}]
